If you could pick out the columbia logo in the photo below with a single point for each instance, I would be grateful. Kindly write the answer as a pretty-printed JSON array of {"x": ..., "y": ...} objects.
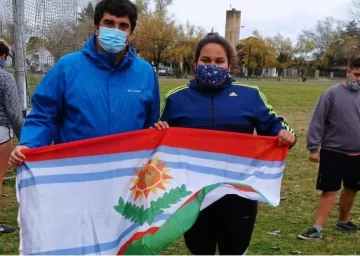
[
  {"x": 134, "y": 90},
  {"x": 233, "y": 94}
]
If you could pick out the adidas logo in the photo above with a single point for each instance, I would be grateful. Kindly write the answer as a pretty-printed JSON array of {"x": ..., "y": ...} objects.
[{"x": 233, "y": 94}]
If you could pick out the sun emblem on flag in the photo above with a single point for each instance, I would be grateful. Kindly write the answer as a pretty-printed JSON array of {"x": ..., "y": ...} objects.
[{"x": 150, "y": 178}]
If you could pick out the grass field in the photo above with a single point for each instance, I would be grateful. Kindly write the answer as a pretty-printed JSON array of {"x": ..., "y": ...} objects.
[{"x": 299, "y": 198}]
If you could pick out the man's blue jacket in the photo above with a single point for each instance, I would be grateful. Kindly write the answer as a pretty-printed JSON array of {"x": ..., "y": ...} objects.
[{"x": 87, "y": 95}]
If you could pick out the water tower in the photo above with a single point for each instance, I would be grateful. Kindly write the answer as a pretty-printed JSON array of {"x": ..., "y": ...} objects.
[{"x": 232, "y": 26}]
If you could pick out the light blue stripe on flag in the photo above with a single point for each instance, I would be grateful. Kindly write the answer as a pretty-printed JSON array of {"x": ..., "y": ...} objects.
[
  {"x": 101, "y": 247},
  {"x": 111, "y": 174}
]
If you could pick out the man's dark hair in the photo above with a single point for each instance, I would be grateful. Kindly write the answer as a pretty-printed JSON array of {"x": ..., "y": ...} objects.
[
  {"x": 215, "y": 38},
  {"x": 355, "y": 63},
  {"x": 4, "y": 48},
  {"x": 119, "y": 8}
]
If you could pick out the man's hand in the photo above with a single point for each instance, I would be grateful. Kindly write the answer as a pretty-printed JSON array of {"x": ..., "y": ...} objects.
[
  {"x": 17, "y": 158},
  {"x": 286, "y": 138},
  {"x": 314, "y": 157}
]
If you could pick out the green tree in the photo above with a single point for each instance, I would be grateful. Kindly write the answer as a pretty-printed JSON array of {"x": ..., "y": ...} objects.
[
  {"x": 352, "y": 29},
  {"x": 302, "y": 56},
  {"x": 256, "y": 53},
  {"x": 346, "y": 46},
  {"x": 240, "y": 50},
  {"x": 182, "y": 51},
  {"x": 284, "y": 52},
  {"x": 161, "y": 6},
  {"x": 142, "y": 7},
  {"x": 87, "y": 13},
  {"x": 156, "y": 33},
  {"x": 61, "y": 38},
  {"x": 324, "y": 35},
  {"x": 154, "y": 37}
]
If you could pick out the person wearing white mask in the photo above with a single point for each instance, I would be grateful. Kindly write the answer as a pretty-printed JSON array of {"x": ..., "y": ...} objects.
[
  {"x": 333, "y": 139},
  {"x": 101, "y": 90}
]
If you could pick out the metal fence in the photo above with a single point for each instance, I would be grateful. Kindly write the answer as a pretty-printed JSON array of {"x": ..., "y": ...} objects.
[
  {"x": 39, "y": 33},
  {"x": 291, "y": 74}
]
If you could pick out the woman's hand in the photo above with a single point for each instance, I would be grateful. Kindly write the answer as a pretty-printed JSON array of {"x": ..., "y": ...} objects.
[
  {"x": 286, "y": 138},
  {"x": 161, "y": 125}
]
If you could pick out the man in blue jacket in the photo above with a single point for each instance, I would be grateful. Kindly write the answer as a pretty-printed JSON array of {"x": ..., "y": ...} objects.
[{"x": 101, "y": 90}]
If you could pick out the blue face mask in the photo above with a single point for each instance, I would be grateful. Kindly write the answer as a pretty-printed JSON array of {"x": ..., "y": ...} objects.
[
  {"x": 211, "y": 75},
  {"x": 111, "y": 39},
  {"x": 2, "y": 64}
]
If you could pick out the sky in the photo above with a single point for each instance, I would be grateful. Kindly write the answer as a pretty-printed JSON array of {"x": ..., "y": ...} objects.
[{"x": 288, "y": 17}]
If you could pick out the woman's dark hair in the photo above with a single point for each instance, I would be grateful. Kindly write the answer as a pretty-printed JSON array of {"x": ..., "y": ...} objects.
[
  {"x": 118, "y": 8},
  {"x": 214, "y": 38}
]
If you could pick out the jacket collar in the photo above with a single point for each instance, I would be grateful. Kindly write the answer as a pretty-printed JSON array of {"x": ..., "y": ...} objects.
[{"x": 197, "y": 86}]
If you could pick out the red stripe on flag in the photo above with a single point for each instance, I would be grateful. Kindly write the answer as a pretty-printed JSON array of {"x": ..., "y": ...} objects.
[
  {"x": 244, "y": 145},
  {"x": 190, "y": 199},
  {"x": 136, "y": 237},
  {"x": 243, "y": 188},
  {"x": 112, "y": 144}
]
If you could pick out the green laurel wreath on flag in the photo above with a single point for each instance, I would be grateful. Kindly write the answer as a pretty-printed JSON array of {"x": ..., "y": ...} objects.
[{"x": 140, "y": 215}]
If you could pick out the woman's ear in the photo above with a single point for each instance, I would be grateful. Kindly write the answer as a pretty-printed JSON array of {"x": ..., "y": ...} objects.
[{"x": 194, "y": 62}]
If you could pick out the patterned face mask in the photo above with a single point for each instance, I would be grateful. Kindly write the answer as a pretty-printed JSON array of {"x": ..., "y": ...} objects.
[
  {"x": 354, "y": 85},
  {"x": 211, "y": 75}
]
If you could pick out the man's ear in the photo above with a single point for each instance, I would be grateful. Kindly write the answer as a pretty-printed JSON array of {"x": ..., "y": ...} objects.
[
  {"x": 96, "y": 30},
  {"x": 348, "y": 72},
  {"x": 130, "y": 36}
]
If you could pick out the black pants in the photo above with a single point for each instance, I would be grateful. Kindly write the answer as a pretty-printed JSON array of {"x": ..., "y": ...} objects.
[{"x": 228, "y": 223}]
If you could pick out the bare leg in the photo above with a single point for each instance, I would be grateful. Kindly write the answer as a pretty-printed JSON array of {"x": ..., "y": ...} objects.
[
  {"x": 325, "y": 206},
  {"x": 5, "y": 151},
  {"x": 346, "y": 202}
]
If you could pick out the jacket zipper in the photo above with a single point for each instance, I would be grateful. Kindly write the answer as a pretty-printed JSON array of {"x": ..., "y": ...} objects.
[
  {"x": 212, "y": 111},
  {"x": 109, "y": 100}
]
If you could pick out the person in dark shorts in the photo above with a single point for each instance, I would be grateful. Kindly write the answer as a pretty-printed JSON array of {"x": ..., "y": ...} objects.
[{"x": 335, "y": 128}]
